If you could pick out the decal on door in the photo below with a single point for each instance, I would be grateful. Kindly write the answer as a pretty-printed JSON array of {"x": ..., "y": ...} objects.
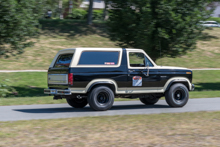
[
  {"x": 137, "y": 81},
  {"x": 109, "y": 63}
]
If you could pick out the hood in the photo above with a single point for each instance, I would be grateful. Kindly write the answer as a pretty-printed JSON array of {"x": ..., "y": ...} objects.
[{"x": 170, "y": 67}]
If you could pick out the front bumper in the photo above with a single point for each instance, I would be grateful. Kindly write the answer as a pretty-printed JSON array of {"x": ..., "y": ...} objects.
[
  {"x": 57, "y": 91},
  {"x": 193, "y": 87}
]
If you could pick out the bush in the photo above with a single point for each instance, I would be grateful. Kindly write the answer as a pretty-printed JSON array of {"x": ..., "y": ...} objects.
[
  {"x": 6, "y": 90},
  {"x": 82, "y": 14},
  {"x": 97, "y": 14},
  {"x": 214, "y": 19},
  {"x": 78, "y": 14}
]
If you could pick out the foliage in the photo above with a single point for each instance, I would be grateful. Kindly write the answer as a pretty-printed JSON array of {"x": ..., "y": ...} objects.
[
  {"x": 18, "y": 23},
  {"x": 6, "y": 90},
  {"x": 214, "y": 19},
  {"x": 79, "y": 14},
  {"x": 97, "y": 14},
  {"x": 77, "y": 3},
  {"x": 53, "y": 6},
  {"x": 82, "y": 14},
  {"x": 149, "y": 24}
]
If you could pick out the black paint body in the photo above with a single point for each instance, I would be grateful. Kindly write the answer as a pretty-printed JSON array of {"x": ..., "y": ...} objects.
[{"x": 83, "y": 75}]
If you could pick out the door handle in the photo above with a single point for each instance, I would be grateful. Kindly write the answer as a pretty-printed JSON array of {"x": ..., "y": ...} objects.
[
  {"x": 131, "y": 71},
  {"x": 145, "y": 73}
]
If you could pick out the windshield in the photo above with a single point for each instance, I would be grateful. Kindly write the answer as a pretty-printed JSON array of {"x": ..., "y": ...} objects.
[{"x": 210, "y": 23}]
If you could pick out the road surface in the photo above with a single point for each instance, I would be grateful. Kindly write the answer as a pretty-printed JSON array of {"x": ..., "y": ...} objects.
[{"x": 54, "y": 111}]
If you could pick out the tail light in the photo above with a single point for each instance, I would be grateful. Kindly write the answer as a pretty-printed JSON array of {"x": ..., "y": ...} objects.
[{"x": 70, "y": 78}]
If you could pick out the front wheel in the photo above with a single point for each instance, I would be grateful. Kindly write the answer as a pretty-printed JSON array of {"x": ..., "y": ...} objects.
[
  {"x": 77, "y": 103},
  {"x": 177, "y": 95},
  {"x": 101, "y": 98}
]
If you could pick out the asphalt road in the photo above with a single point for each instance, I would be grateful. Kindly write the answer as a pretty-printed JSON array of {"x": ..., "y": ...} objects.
[{"x": 53, "y": 111}]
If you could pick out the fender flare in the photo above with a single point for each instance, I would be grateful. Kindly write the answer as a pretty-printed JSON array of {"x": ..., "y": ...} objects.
[
  {"x": 178, "y": 81},
  {"x": 99, "y": 82}
]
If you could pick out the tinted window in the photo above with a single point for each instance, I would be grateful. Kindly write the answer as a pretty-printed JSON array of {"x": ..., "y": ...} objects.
[
  {"x": 99, "y": 58},
  {"x": 210, "y": 23},
  {"x": 136, "y": 59},
  {"x": 63, "y": 60},
  {"x": 139, "y": 60}
]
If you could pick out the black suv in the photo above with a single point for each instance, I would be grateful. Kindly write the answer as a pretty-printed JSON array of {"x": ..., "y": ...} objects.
[{"x": 98, "y": 75}]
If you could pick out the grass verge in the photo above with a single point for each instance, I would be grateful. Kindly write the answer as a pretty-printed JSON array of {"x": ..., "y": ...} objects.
[
  {"x": 30, "y": 87},
  {"x": 31, "y": 84},
  {"x": 183, "y": 129}
]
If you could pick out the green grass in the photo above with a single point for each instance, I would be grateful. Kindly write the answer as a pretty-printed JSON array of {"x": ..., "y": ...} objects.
[
  {"x": 30, "y": 87},
  {"x": 214, "y": 19},
  {"x": 29, "y": 100},
  {"x": 32, "y": 83},
  {"x": 206, "y": 55},
  {"x": 27, "y": 84},
  {"x": 60, "y": 34},
  {"x": 181, "y": 129},
  {"x": 56, "y": 35}
]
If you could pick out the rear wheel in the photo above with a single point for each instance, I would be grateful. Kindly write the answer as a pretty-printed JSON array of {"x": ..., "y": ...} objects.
[
  {"x": 101, "y": 98},
  {"x": 177, "y": 96},
  {"x": 77, "y": 103}
]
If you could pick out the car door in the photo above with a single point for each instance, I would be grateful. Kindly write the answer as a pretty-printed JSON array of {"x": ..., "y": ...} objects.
[{"x": 142, "y": 74}]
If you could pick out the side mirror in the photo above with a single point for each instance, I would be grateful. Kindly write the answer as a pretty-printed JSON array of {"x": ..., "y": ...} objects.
[{"x": 147, "y": 64}]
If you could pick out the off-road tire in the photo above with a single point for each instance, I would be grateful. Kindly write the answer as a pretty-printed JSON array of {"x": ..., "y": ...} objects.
[
  {"x": 101, "y": 98},
  {"x": 177, "y": 95},
  {"x": 77, "y": 103}
]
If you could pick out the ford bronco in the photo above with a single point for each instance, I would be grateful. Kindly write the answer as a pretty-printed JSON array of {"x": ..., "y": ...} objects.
[{"x": 98, "y": 75}]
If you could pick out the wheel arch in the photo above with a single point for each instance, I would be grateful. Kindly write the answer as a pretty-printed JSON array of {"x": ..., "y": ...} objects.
[
  {"x": 102, "y": 82},
  {"x": 173, "y": 81}
]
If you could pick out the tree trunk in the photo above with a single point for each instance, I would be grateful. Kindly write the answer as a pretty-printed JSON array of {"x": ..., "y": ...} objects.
[
  {"x": 105, "y": 10},
  {"x": 70, "y": 6},
  {"x": 60, "y": 8},
  {"x": 89, "y": 21}
]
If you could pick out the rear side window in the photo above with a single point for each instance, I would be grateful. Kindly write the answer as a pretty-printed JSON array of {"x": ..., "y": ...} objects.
[
  {"x": 63, "y": 61},
  {"x": 99, "y": 58}
]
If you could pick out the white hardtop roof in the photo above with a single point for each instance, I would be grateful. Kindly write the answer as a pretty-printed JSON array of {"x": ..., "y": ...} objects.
[
  {"x": 73, "y": 49},
  {"x": 208, "y": 21}
]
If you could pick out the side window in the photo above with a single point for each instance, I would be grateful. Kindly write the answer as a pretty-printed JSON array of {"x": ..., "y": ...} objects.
[
  {"x": 99, "y": 58},
  {"x": 147, "y": 61},
  {"x": 139, "y": 60},
  {"x": 63, "y": 61},
  {"x": 136, "y": 59}
]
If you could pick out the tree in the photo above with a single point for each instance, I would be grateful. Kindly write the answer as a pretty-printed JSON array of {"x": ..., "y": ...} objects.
[
  {"x": 89, "y": 20},
  {"x": 18, "y": 24},
  {"x": 105, "y": 10},
  {"x": 146, "y": 24}
]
